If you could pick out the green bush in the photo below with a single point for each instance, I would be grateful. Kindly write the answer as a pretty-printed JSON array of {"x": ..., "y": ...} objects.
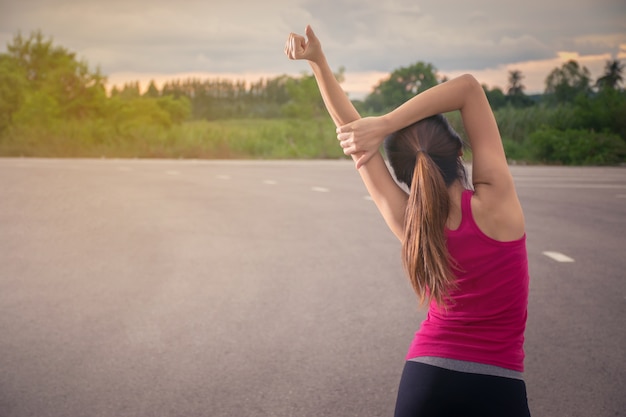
[
  {"x": 517, "y": 124},
  {"x": 606, "y": 110},
  {"x": 516, "y": 151},
  {"x": 576, "y": 147}
]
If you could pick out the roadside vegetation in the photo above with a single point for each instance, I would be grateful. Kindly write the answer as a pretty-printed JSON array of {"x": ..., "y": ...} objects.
[{"x": 54, "y": 105}]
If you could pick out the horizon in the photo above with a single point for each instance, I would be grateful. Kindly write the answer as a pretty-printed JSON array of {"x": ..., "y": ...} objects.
[{"x": 359, "y": 84}]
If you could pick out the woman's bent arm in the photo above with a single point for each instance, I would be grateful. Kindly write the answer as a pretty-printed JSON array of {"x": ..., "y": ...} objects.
[
  {"x": 493, "y": 182},
  {"x": 465, "y": 94}
]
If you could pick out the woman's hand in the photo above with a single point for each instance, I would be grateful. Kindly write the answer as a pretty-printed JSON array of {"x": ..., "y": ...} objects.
[
  {"x": 363, "y": 138},
  {"x": 297, "y": 47}
]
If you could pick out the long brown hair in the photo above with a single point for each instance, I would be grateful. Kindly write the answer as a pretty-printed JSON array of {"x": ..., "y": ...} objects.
[{"x": 426, "y": 157}]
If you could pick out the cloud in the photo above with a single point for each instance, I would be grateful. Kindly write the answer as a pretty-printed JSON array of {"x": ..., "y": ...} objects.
[
  {"x": 157, "y": 35},
  {"x": 461, "y": 35},
  {"x": 364, "y": 36},
  {"x": 589, "y": 44}
]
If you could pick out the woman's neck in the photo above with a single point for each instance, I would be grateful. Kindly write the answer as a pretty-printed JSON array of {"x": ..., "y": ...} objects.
[{"x": 455, "y": 193}]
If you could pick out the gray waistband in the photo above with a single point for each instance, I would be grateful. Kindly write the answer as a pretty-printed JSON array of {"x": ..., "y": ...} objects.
[{"x": 470, "y": 367}]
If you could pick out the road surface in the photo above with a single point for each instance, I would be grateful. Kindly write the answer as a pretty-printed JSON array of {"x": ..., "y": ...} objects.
[{"x": 271, "y": 288}]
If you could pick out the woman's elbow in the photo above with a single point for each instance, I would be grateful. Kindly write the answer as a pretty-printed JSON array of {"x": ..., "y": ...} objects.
[{"x": 470, "y": 81}]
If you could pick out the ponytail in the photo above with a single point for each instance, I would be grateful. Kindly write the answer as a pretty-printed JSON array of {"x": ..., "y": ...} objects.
[
  {"x": 425, "y": 157},
  {"x": 424, "y": 252}
]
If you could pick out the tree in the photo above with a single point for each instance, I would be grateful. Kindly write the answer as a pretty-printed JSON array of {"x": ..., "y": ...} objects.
[
  {"x": 402, "y": 84},
  {"x": 54, "y": 75},
  {"x": 515, "y": 92},
  {"x": 152, "y": 90},
  {"x": 305, "y": 98},
  {"x": 178, "y": 109},
  {"x": 38, "y": 109},
  {"x": 565, "y": 83},
  {"x": 130, "y": 90},
  {"x": 495, "y": 96},
  {"x": 12, "y": 90},
  {"x": 612, "y": 77},
  {"x": 515, "y": 83}
]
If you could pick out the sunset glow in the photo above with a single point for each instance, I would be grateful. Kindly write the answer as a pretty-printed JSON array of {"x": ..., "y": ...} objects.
[{"x": 359, "y": 84}]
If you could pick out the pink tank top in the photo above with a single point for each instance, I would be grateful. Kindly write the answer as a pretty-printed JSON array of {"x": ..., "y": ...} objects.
[{"x": 486, "y": 321}]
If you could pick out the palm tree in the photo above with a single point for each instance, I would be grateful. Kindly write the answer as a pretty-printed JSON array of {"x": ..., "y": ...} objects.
[
  {"x": 515, "y": 83},
  {"x": 515, "y": 92},
  {"x": 612, "y": 75}
]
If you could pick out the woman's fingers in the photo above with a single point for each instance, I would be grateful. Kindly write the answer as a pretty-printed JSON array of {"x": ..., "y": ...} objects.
[
  {"x": 348, "y": 148},
  {"x": 294, "y": 47},
  {"x": 345, "y": 136},
  {"x": 288, "y": 47},
  {"x": 351, "y": 148},
  {"x": 346, "y": 141}
]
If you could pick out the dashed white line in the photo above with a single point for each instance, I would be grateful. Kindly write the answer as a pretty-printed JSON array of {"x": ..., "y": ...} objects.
[
  {"x": 581, "y": 185},
  {"x": 558, "y": 256},
  {"x": 269, "y": 182},
  {"x": 320, "y": 189},
  {"x": 223, "y": 177}
]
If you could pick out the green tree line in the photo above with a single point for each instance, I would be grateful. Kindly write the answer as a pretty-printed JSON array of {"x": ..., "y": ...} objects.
[{"x": 53, "y": 104}]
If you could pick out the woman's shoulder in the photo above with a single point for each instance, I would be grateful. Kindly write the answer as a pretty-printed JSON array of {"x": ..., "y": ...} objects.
[{"x": 498, "y": 214}]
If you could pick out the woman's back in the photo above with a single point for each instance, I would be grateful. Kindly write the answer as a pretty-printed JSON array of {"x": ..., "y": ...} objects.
[{"x": 485, "y": 318}]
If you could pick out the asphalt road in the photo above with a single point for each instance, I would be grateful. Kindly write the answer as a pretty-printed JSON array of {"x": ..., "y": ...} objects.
[{"x": 242, "y": 288}]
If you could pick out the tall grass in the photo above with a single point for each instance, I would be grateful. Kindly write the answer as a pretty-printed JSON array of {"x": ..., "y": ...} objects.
[
  {"x": 246, "y": 138},
  {"x": 531, "y": 135},
  {"x": 516, "y": 124}
]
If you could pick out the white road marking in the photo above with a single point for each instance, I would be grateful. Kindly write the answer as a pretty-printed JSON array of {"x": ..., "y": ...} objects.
[
  {"x": 592, "y": 186},
  {"x": 369, "y": 198},
  {"x": 172, "y": 172},
  {"x": 320, "y": 189},
  {"x": 223, "y": 177},
  {"x": 620, "y": 196},
  {"x": 269, "y": 182},
  {"x": 558, "y": 256}
]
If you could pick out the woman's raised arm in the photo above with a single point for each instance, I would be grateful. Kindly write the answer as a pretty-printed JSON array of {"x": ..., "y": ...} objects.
[{"x": 387, "y": 195}]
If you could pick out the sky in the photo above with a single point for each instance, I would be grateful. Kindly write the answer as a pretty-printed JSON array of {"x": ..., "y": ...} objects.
[{"x": 140, "y": 40}]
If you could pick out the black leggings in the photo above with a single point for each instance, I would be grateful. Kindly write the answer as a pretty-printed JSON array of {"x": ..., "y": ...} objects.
[{"x": 431, "y": 391}]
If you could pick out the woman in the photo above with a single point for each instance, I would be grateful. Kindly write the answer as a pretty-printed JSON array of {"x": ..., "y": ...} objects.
[{"x": 463, "y": 250}]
